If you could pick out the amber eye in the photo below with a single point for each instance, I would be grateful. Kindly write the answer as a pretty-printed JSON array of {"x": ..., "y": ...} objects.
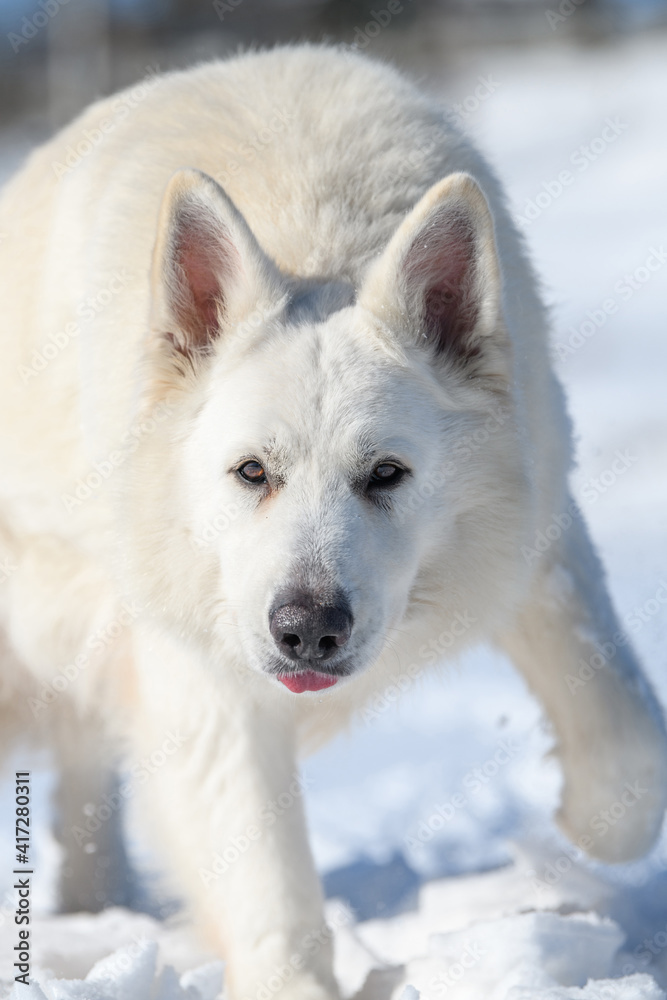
[
  {"x": 252, "y": 472},
  {"x": 386, "y": 474}
]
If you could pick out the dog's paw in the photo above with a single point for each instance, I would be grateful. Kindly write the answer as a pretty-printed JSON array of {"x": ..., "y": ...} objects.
[
  {"x": 289, "y": 979},
  {"x": 307, "y": 988},
  {"x": 615, "y": 784}
]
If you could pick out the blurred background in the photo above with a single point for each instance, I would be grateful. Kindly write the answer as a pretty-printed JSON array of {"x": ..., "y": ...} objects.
[
  {"x": 545, "y": 87},
  {"x": 57, "y": 55}
]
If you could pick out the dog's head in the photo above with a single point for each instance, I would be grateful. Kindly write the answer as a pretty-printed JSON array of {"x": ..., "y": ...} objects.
[{"x": 338, "y": 461}]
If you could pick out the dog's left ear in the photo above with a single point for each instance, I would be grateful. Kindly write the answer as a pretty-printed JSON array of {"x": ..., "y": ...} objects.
[
  {"x": 438, "y": 283},
  {"x": 207, "y": 266}
]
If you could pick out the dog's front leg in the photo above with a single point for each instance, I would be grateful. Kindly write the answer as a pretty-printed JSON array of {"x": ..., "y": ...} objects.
[
  {"x": 610, "y": 734},
  {"x": 228, "y": 805}
]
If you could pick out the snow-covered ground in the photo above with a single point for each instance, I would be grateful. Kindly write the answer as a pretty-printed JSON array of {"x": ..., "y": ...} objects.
[{"x": 485, "y": 899}]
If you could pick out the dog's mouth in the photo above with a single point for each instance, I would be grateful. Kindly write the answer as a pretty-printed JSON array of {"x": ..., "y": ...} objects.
[
  {"x": 310, "y": 676},
  {"x": 307, "y": 680}
]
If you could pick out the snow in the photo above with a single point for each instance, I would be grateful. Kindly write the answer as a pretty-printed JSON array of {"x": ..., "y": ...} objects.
[
  {"x": 130, "y": 974},
  {"x": 446, "y": 851},
  {"x": 467, "y": 938}
]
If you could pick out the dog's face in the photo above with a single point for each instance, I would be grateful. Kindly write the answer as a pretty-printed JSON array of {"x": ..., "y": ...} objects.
[
  {"x": 342, "y": 458},
  {"x": 312, "y": 442}
]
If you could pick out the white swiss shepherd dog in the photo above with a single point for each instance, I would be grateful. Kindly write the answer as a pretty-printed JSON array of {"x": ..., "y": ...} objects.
[{"x": 277, "y": 412}]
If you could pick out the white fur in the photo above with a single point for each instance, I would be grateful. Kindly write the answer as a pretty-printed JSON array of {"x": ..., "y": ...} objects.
[{"x": 321, "y": 358}]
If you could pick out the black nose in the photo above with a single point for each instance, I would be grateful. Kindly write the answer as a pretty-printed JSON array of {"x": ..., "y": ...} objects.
[{"x": 305, "y": 630}]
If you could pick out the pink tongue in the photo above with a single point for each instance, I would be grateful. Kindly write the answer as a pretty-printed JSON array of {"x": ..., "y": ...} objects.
[{"x": 309, "y": 680}]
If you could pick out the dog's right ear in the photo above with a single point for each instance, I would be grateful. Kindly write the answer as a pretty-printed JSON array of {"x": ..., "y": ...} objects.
[{"x": 207, "y": 266}]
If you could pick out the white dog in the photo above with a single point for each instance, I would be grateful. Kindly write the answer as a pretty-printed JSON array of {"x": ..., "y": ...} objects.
[{"x": 276, "y": 413}]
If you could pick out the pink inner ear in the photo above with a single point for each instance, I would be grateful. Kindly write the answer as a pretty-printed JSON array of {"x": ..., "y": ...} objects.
[
  {"x": 440, "y": 279},
  {"x": 206, "y": 259},
  {"x": 204, "y": 286}
]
